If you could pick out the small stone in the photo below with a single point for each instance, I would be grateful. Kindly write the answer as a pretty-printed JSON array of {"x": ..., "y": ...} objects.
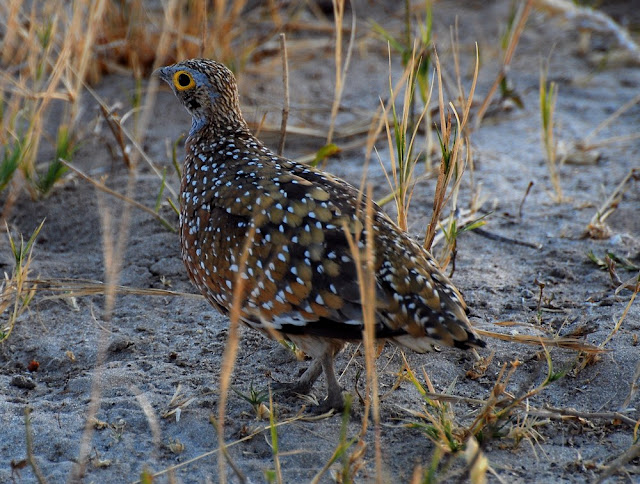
[
  {"x": 23, "y": 382},
  {"x": 119, "y": 345}
]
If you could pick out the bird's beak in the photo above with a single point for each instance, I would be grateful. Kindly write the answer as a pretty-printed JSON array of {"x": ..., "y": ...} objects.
[{"x": 162, "y": 73}]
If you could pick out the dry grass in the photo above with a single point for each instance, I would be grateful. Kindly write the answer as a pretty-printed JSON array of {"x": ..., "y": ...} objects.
[
  {"x": 500, "y": 416},
  {"x": 597, "y": 227},
  {"x": 512, "y": 36},
  {"x": 402, "y": 133},
  {"x": 51, "y": 50},
  {"x": 231, "y": 352},
  {"x": 454, "y": 142},
  {"x": 18, "y": 289},
  {"x": 51, "y": 54},
  {"x": 340, "y": 65},
  {"x": 364, "y": 260},
  {"x": 548, "y": 98}
]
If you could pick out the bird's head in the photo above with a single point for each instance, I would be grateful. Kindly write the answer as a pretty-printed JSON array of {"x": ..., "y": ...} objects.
[{"x": 208, "y": 90}]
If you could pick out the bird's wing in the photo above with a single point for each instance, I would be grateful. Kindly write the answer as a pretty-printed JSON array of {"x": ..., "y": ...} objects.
[{"x": 300, "y": 275}]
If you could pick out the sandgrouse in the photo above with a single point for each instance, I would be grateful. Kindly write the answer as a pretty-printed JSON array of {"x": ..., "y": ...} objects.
[{"x": 299, "y": 280}]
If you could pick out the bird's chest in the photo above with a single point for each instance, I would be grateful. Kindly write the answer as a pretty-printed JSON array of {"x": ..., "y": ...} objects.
[{"x": 213, "y": 230}]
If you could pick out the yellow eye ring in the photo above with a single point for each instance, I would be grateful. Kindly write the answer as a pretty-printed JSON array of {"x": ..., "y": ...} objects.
[{"x": 182, "y": 80}]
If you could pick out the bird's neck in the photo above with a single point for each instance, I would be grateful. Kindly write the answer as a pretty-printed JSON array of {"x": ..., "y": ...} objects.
[
  {"x": 197, "y": 123},
  {"x": 226, "y": 146},
  {"x": 206, "y": 135},
  {"x": 207, "y": 123}
]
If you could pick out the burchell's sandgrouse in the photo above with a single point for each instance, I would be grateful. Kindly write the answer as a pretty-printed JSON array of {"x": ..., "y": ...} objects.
[{"x": 300, "y": 281}]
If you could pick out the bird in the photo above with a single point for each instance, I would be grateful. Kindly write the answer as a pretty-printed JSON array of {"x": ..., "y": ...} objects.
[{"x": 278, "y": 231}]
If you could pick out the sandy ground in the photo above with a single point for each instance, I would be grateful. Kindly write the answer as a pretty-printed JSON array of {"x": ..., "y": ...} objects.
[{"x": 156, "y": 345}]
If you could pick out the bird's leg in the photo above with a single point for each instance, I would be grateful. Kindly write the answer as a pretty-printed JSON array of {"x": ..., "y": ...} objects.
[
  {"x": 334, "y": 400},
  {"x": 304, "y": 383}
]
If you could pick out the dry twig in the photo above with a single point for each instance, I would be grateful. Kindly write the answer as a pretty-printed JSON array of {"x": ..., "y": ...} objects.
[
  {"x": 616, "y": 465},
  {"x": 560, "y": 342},
  {"x": 31, "y": 459},
  {"x": 285, "y": 83},
  {"x": 597, "y": 228}
]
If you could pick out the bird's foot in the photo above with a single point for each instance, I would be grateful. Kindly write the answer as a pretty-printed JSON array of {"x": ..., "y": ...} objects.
[
  {"x": 335, "y": 405},
  {"x": 303, "y": 385},
  {"x": 292, "y": 388}
]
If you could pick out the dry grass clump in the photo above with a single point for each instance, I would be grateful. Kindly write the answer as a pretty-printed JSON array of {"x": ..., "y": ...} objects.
[
  {"x": 52, "y": 50},
  {"x": 548, "y": 98},
  {"x": 18, "y": 289}
]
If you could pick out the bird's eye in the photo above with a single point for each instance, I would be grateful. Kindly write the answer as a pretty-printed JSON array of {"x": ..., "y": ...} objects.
[{"x": 182, "y": 80}]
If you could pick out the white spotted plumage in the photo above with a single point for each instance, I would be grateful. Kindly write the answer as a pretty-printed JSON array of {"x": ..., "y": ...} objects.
[{"x": 299, "y": 277}]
